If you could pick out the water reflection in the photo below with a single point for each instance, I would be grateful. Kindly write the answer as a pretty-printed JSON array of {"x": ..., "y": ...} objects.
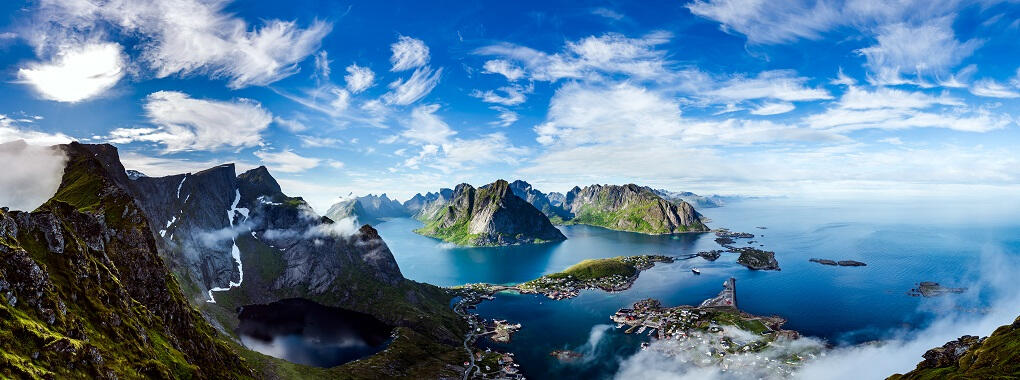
[{"x": 305, "y": 332}]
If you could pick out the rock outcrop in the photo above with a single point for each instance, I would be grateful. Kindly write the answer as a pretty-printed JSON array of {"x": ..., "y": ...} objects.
[
  {"x": 631, "y": 208},
  {"x": 369, "y": 209},
  {"x": 969, "y": 357},
  {"x": 85, "y": 294},
  {"x": 490, "y": 215},
  {"x": 103, "y": 246}
]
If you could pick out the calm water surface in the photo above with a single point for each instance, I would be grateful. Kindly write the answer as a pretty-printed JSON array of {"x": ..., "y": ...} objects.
[{"x": 902, "y": 243}]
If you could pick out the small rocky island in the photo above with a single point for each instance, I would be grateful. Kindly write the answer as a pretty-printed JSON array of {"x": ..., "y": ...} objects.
[
  {"x": 933, "y": 289},
  {"x": 842, "y": 263},
  {"x": 750, "y": 257}
]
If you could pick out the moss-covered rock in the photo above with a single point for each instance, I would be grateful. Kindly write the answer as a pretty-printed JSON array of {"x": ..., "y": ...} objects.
[{"x": 970, "y": 357}]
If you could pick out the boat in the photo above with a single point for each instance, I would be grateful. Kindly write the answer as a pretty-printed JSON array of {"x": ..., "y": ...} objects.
[{"x": 695, "y": 270}]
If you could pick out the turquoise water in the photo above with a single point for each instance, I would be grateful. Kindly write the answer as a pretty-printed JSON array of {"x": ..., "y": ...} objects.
[{"x": 902, "y": 243}]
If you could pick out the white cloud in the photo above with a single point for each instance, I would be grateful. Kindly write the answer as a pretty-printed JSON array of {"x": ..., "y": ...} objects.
[
  {"x": 286, "y": 161},
  {"x": 358, "y": 78},
  {"x": 32, "y": 175},
  {"x": 319, "y": 142},
  {"x": 504, "y": 68},
  {"x": 506, "y": 117},
  {"x": 992, "y": 89},
  {"x": 592, "y": 57},
  {"x": 76, "y": 73},
  {"x": 290, "y": 124},
  {"x": 607, "y": 13},
  {"x": 10, "y": 131},
  {"x": 408, "y": 53},
  {"x": 772, "y": 109},
  {"x": 765, "y": 22},
  {"x": 845, "y": 120},
  {"x": 185, "y": 123},
  {"x": 782, "y": 85},
  {"x": 889, "y": 108},
  {"x": 892, "y": 140},
  {"x": 441, "y": 150},
  {"x": 884, "y": 97},
  {"x": 421, "y": 82},
  {"x": 514, "y": 95},
  {"x": 426, "y": 127},
  {"x": 624, "y": 113},
  {"x": 927, "y": 48},
  {"x": 184, "y": 37}
]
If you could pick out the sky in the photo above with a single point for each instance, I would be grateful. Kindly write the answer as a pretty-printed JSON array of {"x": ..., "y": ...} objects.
[{"x": 823, "y": 98}]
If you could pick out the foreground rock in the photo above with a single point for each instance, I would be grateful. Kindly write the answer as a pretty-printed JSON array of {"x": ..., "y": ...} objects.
[
  {"x": 85, "y": 294},
  {"x": 488, "y": 216},
  {"x": 970, "y": 357},
  {"x": 138, "y": 250}
]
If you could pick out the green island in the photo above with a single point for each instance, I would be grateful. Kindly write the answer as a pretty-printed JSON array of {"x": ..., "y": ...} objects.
[{"x": 610, "y": 274}]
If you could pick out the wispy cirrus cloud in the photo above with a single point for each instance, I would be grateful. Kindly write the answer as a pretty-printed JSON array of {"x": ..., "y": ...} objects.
[
  {"x": 408, "y": 53},
  {"x": 183, "y": 123}
]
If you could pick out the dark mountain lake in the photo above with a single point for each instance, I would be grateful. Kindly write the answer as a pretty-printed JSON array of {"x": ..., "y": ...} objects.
[
  {"x": 902, "y": 242},
  {"x": 305, "y": 332}
]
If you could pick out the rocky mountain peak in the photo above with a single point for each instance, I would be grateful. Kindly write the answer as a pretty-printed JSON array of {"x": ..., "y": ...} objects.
[{"x": 258, "y": 182}]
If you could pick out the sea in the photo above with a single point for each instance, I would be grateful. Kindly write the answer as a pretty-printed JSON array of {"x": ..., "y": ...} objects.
[{"x": 903, "y": 242}]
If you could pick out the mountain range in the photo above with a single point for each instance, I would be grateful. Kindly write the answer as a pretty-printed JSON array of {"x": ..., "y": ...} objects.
[{"x": 118, "y": 277}]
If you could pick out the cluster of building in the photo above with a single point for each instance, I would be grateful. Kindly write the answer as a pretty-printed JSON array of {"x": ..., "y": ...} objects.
[{"x": 497, "y": 365}]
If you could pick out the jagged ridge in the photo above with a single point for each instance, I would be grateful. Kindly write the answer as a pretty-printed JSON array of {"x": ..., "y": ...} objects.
[
  {"x": 631, "y": 208},
  {"x": 85, "y": 294},
  {"x": 490, "y": 215}
]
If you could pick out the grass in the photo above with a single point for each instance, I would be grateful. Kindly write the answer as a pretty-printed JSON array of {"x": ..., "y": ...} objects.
[{"x": 597, "y": 268}]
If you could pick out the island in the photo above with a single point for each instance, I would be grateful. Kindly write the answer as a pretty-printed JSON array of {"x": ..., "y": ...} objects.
[
  {"x": 631, "y": 208},
  {"x": 933, "y": 289},
  {"x": 488, "y": 216},
  {"x": 756, "y": 259},
  {"x": 611, "y": 274},
  {"x": 842, "y": 263}
]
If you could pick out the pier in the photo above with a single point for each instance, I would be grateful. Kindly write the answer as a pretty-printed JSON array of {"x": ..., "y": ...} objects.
[{"x": 726, "y": 298}]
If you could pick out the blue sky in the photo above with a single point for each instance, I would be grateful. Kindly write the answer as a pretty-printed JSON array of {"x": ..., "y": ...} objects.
[{"x": 840, "y": 98}]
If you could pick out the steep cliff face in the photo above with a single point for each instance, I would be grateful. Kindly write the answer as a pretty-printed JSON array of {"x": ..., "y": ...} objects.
[
  {"x": 85, "y": 294},
  {"x": 490, "y": 215},
  {"x": 524, "y": 190},
  {"x": 631, "y": 208},
  {"x": 187, "y": 211},
  {"x": 369, "y": 209},
  {"x": 88, "y": 267},
  {"x": 969, "y": 357}
]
